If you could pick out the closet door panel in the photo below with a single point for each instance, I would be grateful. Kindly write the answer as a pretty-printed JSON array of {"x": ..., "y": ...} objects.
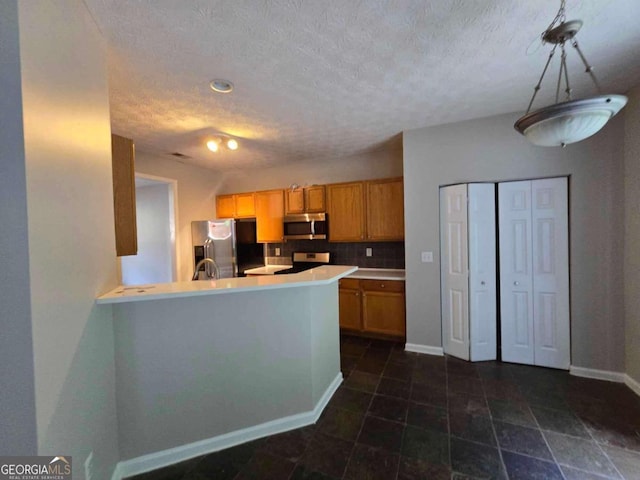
[
  {"x": 516, "y": 279},
  {"x": 482, "y": 271},
  {"x": 454, "y": 270},
  {"x": 551, "y": 272}
]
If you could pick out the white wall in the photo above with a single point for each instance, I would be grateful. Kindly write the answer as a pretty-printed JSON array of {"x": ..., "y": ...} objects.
[
  {"x": 70, "y": 226},
  {"x": 17, "y": 408},
  {"x": 489, "y": 149},
  {"x": 379, "y": 164},
  {"x": 153, "y": 262},
  {"x": 632, "y": 233},
  {"x": 196, "y": 199}
]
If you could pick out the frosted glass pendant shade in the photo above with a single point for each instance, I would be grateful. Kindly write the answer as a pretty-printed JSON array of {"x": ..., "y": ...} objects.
[{"x": 569, "y": 122}]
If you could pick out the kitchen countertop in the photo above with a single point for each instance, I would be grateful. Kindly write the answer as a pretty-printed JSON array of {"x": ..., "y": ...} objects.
[
  {"x": 314, "y": 276},
  {"x": 378, "y": 274},
  {"x": 266, "y": 270}
]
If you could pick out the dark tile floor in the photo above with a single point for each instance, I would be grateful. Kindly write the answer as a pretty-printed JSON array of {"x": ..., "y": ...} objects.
[{"x": 407, "y": 416}]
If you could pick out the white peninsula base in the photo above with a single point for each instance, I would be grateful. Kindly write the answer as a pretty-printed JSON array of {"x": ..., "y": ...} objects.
[{"x": 201, "y": 373}]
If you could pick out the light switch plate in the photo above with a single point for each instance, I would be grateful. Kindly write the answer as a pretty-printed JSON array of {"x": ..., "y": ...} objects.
[
  {"x": 369, "y": 252},
  {"x": 427, "y": 257},
  {"x": 277, "y": 251}
]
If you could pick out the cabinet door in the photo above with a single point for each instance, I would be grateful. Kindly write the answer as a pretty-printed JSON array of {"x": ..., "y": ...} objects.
[
  {"x": 314, "y": 199},
  {"x": 385, "y": 210},
  {"x": 225, "y": 206},
  {"x": 383, "y": 312},
  {"x": 294, "y": 201},
  {"x": 245, "y": 205},
  {"x": 124, "y": 195},
  {"x": 345, "y": 207},
  {"x": 269, "y": 216},
  {"x": 350, "y": 314}
]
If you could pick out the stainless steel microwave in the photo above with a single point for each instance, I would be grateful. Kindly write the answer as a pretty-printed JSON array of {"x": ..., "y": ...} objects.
[{"x": 305, "y": 226}]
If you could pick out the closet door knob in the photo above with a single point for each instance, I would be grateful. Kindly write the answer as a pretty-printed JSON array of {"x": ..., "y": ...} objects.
[
  {"x": 516, "y": 283},
  {"x": 482, "y": 282}
]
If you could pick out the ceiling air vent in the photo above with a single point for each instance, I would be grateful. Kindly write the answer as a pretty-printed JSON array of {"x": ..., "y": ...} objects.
[{"x": 180, "y": 155}]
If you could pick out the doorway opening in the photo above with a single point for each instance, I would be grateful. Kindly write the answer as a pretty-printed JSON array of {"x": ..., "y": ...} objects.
[{"x": 156, "y": 212}]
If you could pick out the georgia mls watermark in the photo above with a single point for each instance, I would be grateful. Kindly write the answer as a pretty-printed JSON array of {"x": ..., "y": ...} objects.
[{"x": 35, "y": 468}]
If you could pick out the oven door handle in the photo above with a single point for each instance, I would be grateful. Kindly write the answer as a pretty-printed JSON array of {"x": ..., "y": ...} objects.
[{"x": 313, "y": 227}]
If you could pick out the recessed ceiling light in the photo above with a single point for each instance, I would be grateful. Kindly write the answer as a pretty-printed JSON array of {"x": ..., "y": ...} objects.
[
  {"x": 212, "y": 145},
  {"x": 232, "y": 144},
  {"x": 221, "y": 86}
]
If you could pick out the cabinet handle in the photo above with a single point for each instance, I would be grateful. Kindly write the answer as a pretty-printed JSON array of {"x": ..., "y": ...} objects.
[
  {"x": 382, "y": 285},
  {"x": 357, "y": 294}
]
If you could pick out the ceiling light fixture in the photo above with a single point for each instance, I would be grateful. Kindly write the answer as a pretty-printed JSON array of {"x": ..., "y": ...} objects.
[
  {"x": 221, "y": 86},
  {"x": 219, "y": 141},
  {"x": 572, "y": 120}
]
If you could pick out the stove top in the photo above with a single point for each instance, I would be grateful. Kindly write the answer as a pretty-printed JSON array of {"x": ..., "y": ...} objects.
[{"x": 306, "y": 260}]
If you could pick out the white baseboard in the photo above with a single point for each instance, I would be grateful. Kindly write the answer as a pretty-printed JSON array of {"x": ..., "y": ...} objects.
[
  {"x": 632, "y": 384},
  {"x": 153, "y": 461},
  {"x": 597, "y": 374},
  {"x": 429, "y": 350}
]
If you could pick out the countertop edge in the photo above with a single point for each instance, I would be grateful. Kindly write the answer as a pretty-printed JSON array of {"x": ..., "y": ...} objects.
[
  {"x": 379, "y": 274},
  {"x": 296, "y": 282}
]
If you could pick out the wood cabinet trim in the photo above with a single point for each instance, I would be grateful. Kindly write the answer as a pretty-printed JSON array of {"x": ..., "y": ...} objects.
[{"x": 124, "y": 195}]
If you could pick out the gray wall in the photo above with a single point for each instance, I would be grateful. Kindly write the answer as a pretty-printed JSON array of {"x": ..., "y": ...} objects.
[
  {"x": 17, "y": 406},
  {"x": 70, "y": 228},
  {"x": 632, "y": 233},
  {"x": 489, "y": 149}
]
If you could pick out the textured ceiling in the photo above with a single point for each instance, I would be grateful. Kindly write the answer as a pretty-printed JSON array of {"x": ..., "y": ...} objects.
[{"x": 318, "y": 79}]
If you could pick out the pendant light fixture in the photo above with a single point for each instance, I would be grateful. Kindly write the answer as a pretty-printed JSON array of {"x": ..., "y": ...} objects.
[{"x": 572, "y": 120}]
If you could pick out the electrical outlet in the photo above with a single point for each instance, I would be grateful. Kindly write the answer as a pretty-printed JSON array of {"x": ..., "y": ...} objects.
[
  {"x": 369, "y": 252},
  {"x": 427, "y": 257},
  {"x": 88, "y": 467},
  {"x": 277, "y": 251}
]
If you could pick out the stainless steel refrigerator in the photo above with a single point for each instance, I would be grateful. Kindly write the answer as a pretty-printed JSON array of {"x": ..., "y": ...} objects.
[{"x": 231, "y": 244}]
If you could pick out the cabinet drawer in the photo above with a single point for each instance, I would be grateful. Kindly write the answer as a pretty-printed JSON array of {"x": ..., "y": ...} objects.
[
  {"x": 382, "y": 285},
  {"x": 352, "y": 283}
]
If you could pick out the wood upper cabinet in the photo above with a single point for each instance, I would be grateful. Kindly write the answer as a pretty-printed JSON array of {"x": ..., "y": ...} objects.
[
  {"x": 225, "y": 206},
  {"x": 238, "y": 205},
  {"x": 385, "y": 209},
  {"x": 345, "y": 208},
  {"x": 245, "y": 205},
  {"x": 294, "y": 201},
  {"x": 349, "y": 304},
  {"x": 373, "y": 306},
  {"x": 269, "y": 208},
  {"x": 124, "y": 195},
  {"x": 314, "y": 199},
  {"x": 305, "y": 200}
]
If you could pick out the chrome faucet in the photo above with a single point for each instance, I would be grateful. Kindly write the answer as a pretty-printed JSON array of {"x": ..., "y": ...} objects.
[{"x": 216, "y": 269}]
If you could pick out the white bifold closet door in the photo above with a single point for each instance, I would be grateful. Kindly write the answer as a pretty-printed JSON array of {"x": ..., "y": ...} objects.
[
  {"x": 468, "y": 270},
  {"x": 534, "y": 272}
]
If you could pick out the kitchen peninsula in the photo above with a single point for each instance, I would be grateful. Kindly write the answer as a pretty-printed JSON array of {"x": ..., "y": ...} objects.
[{"x": 205, "y": 365}]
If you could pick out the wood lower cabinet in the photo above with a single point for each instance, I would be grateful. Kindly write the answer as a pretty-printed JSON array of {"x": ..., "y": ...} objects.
[
  {"x": 269, "y": 216},
  {"x": 124, "y": 195},
  {"x": 350, "y": 304},
  {"x": 373, "y": 306},
  {"x": 385, "y": 210},
  {"x": 345, "y": 208}
]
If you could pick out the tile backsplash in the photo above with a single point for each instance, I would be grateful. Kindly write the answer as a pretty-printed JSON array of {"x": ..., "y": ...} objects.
[{"x": 384, "y": 254}]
